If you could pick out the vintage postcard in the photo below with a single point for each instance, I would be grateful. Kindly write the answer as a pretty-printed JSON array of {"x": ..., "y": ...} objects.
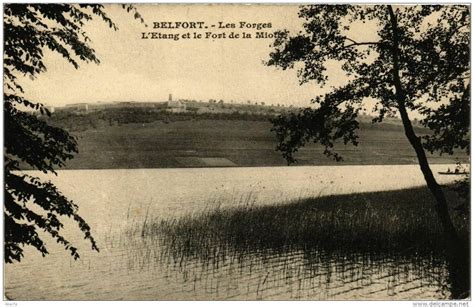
[{"x": 286, "y": 152}]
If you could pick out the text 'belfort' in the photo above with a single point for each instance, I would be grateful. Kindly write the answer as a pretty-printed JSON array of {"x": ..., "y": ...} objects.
[{"x": 215, "y": 31}]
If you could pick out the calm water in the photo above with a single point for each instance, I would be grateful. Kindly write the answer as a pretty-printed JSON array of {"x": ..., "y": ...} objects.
[{"x": 135, "y": 268}]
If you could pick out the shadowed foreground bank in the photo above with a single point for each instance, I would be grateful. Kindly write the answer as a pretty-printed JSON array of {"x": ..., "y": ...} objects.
[{"x": 394, "y": 224}]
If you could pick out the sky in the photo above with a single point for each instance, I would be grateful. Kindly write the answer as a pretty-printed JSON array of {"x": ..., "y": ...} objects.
[{"x": 148, "y": 70}]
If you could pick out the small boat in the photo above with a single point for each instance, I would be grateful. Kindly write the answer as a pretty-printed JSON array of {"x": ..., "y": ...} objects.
[{"x": 453, "y": 173}]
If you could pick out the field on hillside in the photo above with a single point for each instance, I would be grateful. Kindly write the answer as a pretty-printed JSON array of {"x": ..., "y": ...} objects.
[{"x": 217, "y": 142}]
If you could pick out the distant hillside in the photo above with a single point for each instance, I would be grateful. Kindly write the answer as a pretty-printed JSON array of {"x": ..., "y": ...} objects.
[
  {"x": 82, "y": 116},
  {"x": 139, "y": 138}
]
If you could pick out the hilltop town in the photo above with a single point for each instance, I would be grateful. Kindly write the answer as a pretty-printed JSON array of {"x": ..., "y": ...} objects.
[
  {"x": 180, "y": 106},
  {"x": 81, "y": 116}
]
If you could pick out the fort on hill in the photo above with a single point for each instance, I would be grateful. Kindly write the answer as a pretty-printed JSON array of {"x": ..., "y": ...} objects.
[{"x": 179, "y": 106}]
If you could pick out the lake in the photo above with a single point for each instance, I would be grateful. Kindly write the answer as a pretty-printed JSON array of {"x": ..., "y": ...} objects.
[{"x": 136, "y": 268}]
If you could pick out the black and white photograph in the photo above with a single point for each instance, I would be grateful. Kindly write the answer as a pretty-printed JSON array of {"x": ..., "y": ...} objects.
[{"x": 237, "y": 152}]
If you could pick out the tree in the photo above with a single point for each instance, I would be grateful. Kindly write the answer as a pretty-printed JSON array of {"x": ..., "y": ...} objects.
[
  {"x": 30, "y": 203},
  {"x": 420, "y": 63}
]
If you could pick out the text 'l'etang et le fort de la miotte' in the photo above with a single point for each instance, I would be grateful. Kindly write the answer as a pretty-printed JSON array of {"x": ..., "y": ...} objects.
[{"x": 186, "y": 30}]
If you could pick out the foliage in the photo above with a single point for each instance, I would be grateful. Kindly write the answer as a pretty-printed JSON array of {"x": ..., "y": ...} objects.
[
  {"x": 433, "y": 49},
  {"x": 30, "y": 203}
]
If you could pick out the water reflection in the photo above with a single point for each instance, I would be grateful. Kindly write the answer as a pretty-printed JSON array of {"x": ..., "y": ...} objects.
[
  {"x": 290, "y": 252},
  {"x": 294, "y": 273},
  {"x": 132, "y": 267},
  {"x": 386, "y": 245}
]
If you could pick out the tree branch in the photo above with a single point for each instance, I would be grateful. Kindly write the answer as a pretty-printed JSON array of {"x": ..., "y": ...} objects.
[{"x": 355, "y": 43}]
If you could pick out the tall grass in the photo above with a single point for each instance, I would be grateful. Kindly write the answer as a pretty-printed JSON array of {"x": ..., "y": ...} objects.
[
  {"x": 379, "y": 233},
  {"x": 401, "y": 221}
]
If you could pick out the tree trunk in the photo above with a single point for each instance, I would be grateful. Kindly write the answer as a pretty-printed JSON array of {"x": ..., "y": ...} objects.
[
  {"x": 457, "y": 254},
  {"x": 441, "y": 204}
]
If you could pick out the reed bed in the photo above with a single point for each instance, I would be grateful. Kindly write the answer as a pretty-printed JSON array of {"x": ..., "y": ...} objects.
[
  {"x": 400, "y": 221},
  {"x": 379, "y": 232}
]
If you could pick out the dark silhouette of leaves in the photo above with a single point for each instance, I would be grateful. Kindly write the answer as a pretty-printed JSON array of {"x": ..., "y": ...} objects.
[
  {"x": 433, "y": 64},
  {"x": 30, "y": 203}
]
